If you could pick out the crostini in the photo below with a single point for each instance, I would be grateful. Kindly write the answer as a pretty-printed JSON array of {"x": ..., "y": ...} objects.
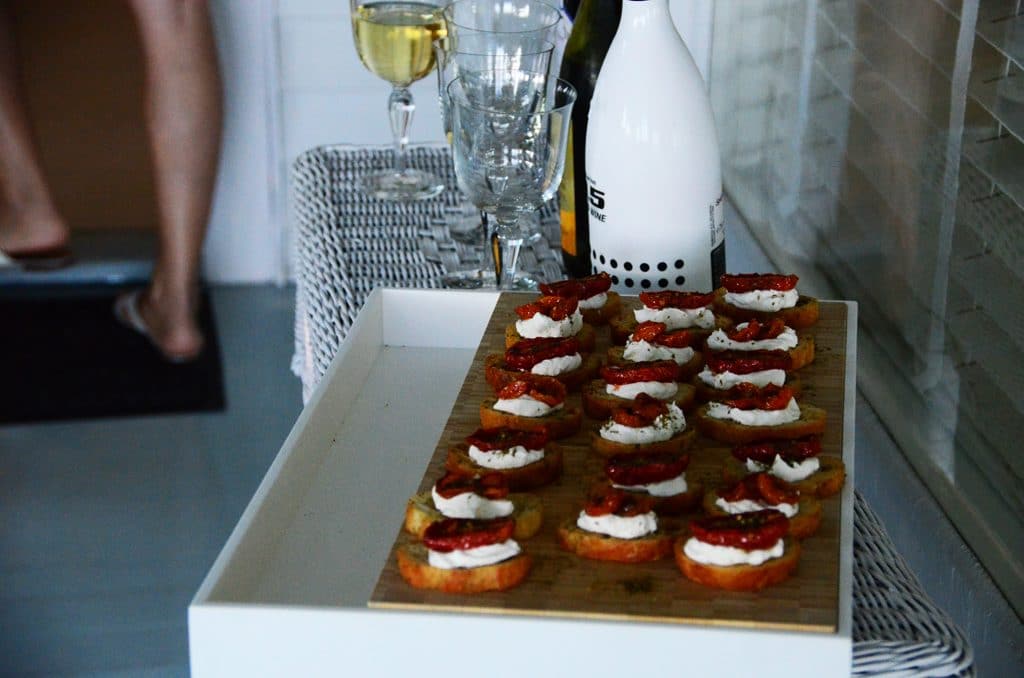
[
  {"x": 750, "y": 413},
  {"x": 760, "y": 491},
  {"x": 677, "y": 310},
  {"x": 530, "y": 402},
  {"x": 758, "y": 296},
  {"x": 551, "y": 316},
  {"x": 617, "y": 526},
  {"x": 525, "y": 458},
  {"x": 620, "y": 384},
  {"x": 726, "y": 369},
  {"x": 598, "y": 302},
  {"x": 797, "y": 461},
  {"x": 645, "y": 424},
  {"x": 654, "y": 341},
  {"x": 661, "y": 476},
  {"x": 561, "y": 358},
  {"x": 767, "y": 335}
]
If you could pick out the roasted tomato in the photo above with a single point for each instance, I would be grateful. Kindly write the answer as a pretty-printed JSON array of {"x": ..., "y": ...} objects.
[
  {"x": 747, "y": 531},
  {"x": 657, "y": 333},
  {"x": 673, "y": 299},
  {"x": 644, "y": 469},
  {"x": 556, "y": 308},
  {"x": 755, "y": 330},
  {"x": 762, "y": 487},
  {"x": 745, "y": 362},
  {"x": 796, "y": 449},
  {"x": 459, "y": 534},
  {"x": 642, "y": 411},
  {"x": 526, "y": 353},
  {"x": 603, "y": 500},
  {"x": 503, "y": 438},
  {"x": 653, "y": 370},
  {"x": 582, "y": 288},
  {"x": 738, "y": 283},
  {"x": 547, "y": 390},
  {"x": 489, "y": 485},
  {"x": 746, "y": 396}
]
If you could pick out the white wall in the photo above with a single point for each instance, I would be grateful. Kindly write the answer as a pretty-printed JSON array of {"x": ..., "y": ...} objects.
[{"x": 293, "y": 81}]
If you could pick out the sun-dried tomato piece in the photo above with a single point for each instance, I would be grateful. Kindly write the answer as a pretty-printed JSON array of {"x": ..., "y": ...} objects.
[
  {"x": 503, "y": 438},
  {"x": 460, "y": 534},
  {"x": 603, "y": 500},
  {"x": 747, "y": 531},
  {"x": 674, "y": 299},
  {"x": 489, "y": 485},
  {"x": 639, "y": 412},
  {"x": 548, "y": 390},
  {"x": 526, "y": 353},
  {"x": 582, "y": 288},
  {"x": 644, "y": 469},
  {"x": 764, "y": 452},
  {"x": 745, "y": 362},
  {"x": 653, "y": 370},
  {"x": 737, "y": 283},
  {"x": 762, "y": 487},
  {"x": 657, "y": 333},
  {"x": 756, "y": 330},
  {"x": 556, "y": 308},
  {"x": 746, "y": 396}
]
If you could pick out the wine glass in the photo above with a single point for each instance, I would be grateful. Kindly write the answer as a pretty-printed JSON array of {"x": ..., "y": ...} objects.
[
  {"x": 479, "y": 52},
  {"x": 394, "y": 42},
  {"x": 509, "y": 132}
]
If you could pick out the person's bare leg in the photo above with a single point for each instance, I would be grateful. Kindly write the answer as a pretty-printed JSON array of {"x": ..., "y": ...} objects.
[
  {"x": 183, "y": 112},
  {"x": 29, "y": 220}
]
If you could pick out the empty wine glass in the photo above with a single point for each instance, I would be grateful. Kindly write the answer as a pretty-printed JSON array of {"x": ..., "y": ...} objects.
[
  {"x": 509, "y": 131},
  {"x": 394, "y": 41}
]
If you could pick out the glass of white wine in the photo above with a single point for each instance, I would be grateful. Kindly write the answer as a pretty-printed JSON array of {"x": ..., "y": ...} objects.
[{"x": 394, "y": 41}]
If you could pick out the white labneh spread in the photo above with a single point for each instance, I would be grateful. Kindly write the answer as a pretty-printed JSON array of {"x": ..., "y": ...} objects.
[
  {"x": 642, "y": 351},
  {"x": 791, "y": 473},
  {"x": 552, "y": 367},
  {"x": 719, "y": 341},
  {"x": 677, "y": 318},
  {"x": 751, "y": 505},
  {"x": 726, "y": 380},
  {"x": 596, "y": 301},
  {"x": 662, "y": 390},
  {"x": 788, "y": 414},
  {"x": 662, "y": 428},
  {"x": 471, "y": 505},
  {"x": 541, "y": 325},
  {"x": 622, "y": 527},
  {"x": 514, "y": 457},
  {"x": 525, "y": 406},
  {"x": 665, "y": 488},
  {"x": 711, "y": 554},
  {"x": 763, "y": 300},
  {"x": 475, "y": 557}
]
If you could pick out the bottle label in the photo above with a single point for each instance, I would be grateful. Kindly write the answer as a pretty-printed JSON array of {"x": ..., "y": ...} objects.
[{"x": 595, "y": 201}]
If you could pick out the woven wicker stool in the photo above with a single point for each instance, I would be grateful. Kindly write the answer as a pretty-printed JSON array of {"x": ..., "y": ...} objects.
[{"x": 349, "y": 243}]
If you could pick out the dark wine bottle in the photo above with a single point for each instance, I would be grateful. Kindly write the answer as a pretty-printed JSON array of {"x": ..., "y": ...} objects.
[{"x": 592, "y": 32}]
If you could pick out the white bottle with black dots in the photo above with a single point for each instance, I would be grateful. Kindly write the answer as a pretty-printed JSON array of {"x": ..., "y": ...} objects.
[{"x": 654, "y": 175}]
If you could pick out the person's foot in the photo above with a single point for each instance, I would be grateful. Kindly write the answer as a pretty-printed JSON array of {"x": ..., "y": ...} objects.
[
  {"x": 31, "y": 230},
  {"x": 171, "y": 321}
]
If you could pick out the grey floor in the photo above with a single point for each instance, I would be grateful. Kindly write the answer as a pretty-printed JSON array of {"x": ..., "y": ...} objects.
[{"x": 107, "y": 527}]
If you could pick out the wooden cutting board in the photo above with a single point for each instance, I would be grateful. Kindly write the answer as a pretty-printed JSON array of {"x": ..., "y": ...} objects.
[{"x": 564, "y": 585}]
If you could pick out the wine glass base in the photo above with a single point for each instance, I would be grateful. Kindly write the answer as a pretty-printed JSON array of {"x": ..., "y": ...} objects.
[{"x": 409, "y": 184}]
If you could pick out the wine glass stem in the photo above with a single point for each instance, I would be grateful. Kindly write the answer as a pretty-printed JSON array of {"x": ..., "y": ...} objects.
[
  {"x": 400, "y": 108},
  {"x": 511, "y": 240}
]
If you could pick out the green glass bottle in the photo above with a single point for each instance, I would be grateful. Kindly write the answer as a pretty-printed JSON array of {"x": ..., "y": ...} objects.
[{"x": 592, "y": 32}]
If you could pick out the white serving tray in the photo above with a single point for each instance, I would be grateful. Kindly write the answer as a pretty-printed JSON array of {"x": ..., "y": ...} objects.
[{"x": 287, "y": 595}]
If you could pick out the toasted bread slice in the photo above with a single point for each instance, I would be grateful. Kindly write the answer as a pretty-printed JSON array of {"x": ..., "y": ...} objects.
[
  {"x": 802, "y": 354},
  {"x": 529, "y": 477},
  {"x": 825, "y": 482},
  {"x": 811, "y": 422},
  {"x": 527, "y": 512},
  {"x": 707, "y": 393},
  {"x": 802, "y": 525},
  {"x": 415, "y": 569},
  {"x": 602, "y": 547},
  {"x": 586, "y": 336},
  {"x": 597, "y": 403},
  {"x": 601, "y": 316},
  {"x": 804, "y": 314},
  {"x": 740, "y": 577},
  {"x": 496, "y": 371},
  {"x": 677, "y": 443},
  {"x": 558, "y": 424},
  {"x": 686, "y": 370}
]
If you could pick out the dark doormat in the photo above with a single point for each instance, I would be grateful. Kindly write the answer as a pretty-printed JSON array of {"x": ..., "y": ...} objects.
[{"x": 63, "y": 355}]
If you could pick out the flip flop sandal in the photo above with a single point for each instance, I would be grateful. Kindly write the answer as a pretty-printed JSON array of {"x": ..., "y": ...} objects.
[
  {"x": 43, "y": 259},
  {"x": 126, "y": 310}
]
